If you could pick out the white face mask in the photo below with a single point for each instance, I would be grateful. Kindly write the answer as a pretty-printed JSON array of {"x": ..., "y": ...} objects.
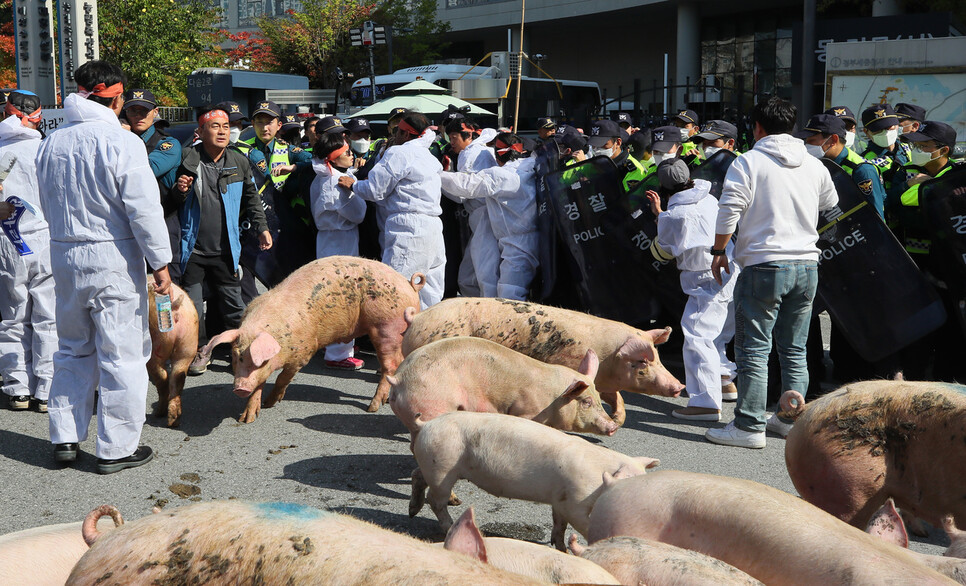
[
  {"x": 886, "y": 138},
  {"x": 359, "y": 146},
  {"x": 816, "y": 150},
  {"x": 920, "y": 158},
  {"x": 234, "y": 134},
  {"x": 708, "y": 151},
  {"x": 685, "y": 134},
  {"x": 658, "y": 157},
  {"x": 849, "y": 139},
  {"x": 601, "y": 152}
]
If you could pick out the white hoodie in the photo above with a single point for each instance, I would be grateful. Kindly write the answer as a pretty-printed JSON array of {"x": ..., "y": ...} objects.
[{"x": 773, "y": 194}]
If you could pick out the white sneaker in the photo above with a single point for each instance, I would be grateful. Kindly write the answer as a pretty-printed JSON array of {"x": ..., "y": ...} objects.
[
  {"x": 777, "y": 426},
  {"x": 730, "y": 435}
]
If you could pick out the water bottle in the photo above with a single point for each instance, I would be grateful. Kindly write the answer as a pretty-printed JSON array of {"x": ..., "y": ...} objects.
[{"x": 165, "y": 320}]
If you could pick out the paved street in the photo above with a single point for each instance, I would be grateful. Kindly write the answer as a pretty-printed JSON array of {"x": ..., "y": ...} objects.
[{"x": 319, "y": 447}]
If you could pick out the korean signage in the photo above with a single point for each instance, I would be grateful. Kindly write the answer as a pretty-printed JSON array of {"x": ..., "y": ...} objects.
[
  {"x": 78, "y": 39},
  {"x": 33, "y": 35}
]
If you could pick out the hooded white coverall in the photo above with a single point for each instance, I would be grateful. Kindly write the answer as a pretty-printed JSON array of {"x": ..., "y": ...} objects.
[
  {"x": 406, "y": 183},
  {"x": 28, "y": 334},
  {"x": 338, "y": 213},
  {"x": 480, "y": 266},
  {"x": 101, "y": 201},
  {"x": 686, "y": 232},
  {"x": 510, "y": 196}
]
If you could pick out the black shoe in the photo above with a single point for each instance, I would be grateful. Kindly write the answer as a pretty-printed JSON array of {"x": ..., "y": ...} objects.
[
  {"x": 38, "y": 405},
  {"x": 18, "y": 403},
  {"x": 141, "y": 456},
  {"x": 65, "y": 452}
]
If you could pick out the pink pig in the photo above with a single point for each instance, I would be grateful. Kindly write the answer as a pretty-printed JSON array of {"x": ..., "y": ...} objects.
[{"x": 177, "y": 347}]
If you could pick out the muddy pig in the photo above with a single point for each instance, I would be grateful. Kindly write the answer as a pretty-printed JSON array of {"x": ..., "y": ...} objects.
[
  {"x": 177, "y": 347},
  {"x": 767, "y": 533},
  {"x": 334, "y": 299},
  {"x": 634, "y": 560},
  {"x": 887, "y": 524},
  {"x": 234, "y": 542},
  {"x": 629, "y": 359},
  {"x": 514, "y": 458},
  {"x": 473, "y": 374},
  {"x": 43, "y": 556},
  {"x": 522, "y": 557},
  {"x": 852, "y": 449}
]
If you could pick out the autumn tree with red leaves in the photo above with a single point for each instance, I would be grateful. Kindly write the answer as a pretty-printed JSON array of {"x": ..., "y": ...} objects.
[{"x": 8, "y": 68}]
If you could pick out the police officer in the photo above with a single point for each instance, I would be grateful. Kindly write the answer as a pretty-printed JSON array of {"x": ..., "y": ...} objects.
[
  {"x": 884, "y": 150},
  {"x": 623, "y": 119},
  {"x": 666, "y": 143},
  {"x": 308, "y": 133},
  {"x": 717, "y": 135},
  {"x": 606, "y": 139},
  {"x": 846, "y": 115},
  {"x": 546, "y": 128},
  {"x": 687, "y": 122},
  {"x": 638, "y": 145},
  {"x": 358, "y": 134},
  {"x": 910, "y": 116},
  {"x": 164, "y": 155},
  {"x": 329, "y": 125},
  {"x": 237, "y": 120},
  {"x": 291, "y": 130}
]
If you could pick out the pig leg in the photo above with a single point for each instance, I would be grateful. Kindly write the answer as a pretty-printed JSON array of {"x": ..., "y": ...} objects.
[
  {"x": 441, "y": 484},
  {"x": 281, "y": 383},
  {"x": 388, "y": 343},
  {"x": 418, "y": 498},
  {"x": 252, "y": 408},
  {"x": 159, "y": 378},
  {"x": 179, "y": 371},
  {"x": 558, "y": 532},
  {"x": 616, "y": 402}
]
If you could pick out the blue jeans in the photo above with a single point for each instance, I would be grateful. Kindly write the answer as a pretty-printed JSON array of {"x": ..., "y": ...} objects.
[{"x": 771, "y": 298}]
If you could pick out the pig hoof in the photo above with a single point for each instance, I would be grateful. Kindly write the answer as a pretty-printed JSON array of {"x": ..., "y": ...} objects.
[
  {"x": 454, "y": 501},
  {"x": 374, "y": 405}
]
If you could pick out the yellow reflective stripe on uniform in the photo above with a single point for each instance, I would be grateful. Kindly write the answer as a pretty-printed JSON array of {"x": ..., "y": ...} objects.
[
  {"x": 910, "y": 197},
  {"x": 636, "y": 176},
  {"x": 659, "y": 253},
  {"x": 842, "y": 217},
  {"x": 687, "y": 148}
]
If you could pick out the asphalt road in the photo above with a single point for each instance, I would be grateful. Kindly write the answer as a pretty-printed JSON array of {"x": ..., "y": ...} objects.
[{"x": 319, "y": 447}]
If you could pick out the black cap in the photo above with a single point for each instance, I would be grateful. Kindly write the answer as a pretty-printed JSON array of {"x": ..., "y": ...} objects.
[
  {"x": 824, "y": 124},
  {"x": 4, "y": 94},
  {"x": 289, "y": 122},
  {"x": 396, "y": 112},
  {"x": 26, "y": 102},
  {"x": 910, "y": 112},
  {"x": 673, "y": 173},
  {"x": 267, "y": 107},
  {"x": 623, "y": 118},
  {"x": 233, "y": 109},
  {"x": 568, "y": 137},
  {"x": 716, "y": 129},
  {"x": 140, "y": 97},
  {"x": 602, "y": 131},
  {"x": 842, "y": 112},
  {"x": 664, "y": 137},
  {"x": 942, "y": 133},
  {"x": 329, "y": 125},
  {"x": 546, "y": 123},
  {"x": 879, "y": 117},
  {"x": 686, "y": 116},
  {"x": 357, "y": 125},
  {"x": 639, "y": 142}
]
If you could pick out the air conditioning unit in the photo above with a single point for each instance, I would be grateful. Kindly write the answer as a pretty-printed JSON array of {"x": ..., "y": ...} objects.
[{"x": 501, "y": 61}]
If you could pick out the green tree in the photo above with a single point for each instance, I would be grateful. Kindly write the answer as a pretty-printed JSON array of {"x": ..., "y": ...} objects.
[
  {"x": 416, "y": 38},
  {"x": 159, "y": 42}
]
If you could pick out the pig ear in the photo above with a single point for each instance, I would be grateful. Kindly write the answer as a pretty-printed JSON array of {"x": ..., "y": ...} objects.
[
  {"x": 887, "y": 525},
  {"x": 575, "y": 388},
  {"x": 649, "y": 462},
  {"x": 660, "y": 336},
  {"x": 263, "y": 348},
  {"x": 589, "y": 364},
  {"x": 636, "y": 350},
  {"x": 608, "y": 479},
  {"x": 392, "y": 380},
  {"x": 464, "y": 537}
]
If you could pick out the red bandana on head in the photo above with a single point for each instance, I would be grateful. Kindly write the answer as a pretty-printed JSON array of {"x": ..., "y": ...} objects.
[
  {"x": 34, "y": 117},
  {"x": 102, "y": 91}
]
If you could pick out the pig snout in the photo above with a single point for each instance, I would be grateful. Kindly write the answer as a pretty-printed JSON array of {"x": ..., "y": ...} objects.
[
  {"x": 243, "y": 393},
  {"x": 606, "y": 426}
]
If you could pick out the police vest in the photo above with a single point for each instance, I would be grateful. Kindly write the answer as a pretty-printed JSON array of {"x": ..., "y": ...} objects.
[
  {"x": 914, "y": 242},
  {"x": 886, "y": 164},
  {"x": 279, "y": 157},
  {"x": 636, "y": 172}
]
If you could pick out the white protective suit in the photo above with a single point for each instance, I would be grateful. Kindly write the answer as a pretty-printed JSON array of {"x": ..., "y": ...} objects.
[
  {"x": 406, "y": 183},
  {"x": 101, "y": 201},
  {"x": 686, "y": 232},
  {"x": 510, "y": 196},
  {"x": 28, "y": 334},
  {"x": 338, "y": 213},
  {"x": 479, "y": 269}
]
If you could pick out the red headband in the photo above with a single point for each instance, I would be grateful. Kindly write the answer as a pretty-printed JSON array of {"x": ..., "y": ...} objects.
[
  {"x": 102, "y": 91},
  {"x": 467, "y": 128},
  {"x": 337, "y": 152},
  {"x": 502, "y": 147},
  {"x": 407, "y": 128},
  {"x": 34, "y": 117},
  {"x": 213, "y": 115}
]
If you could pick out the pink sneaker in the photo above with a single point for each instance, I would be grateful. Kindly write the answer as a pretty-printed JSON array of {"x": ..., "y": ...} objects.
[{"x": 347, "y": 364}]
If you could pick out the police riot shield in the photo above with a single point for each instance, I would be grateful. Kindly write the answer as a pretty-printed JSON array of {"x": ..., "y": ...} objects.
[
  {"x": 262, "y": 263},
  {"x": 943, "y": 202},
  {"x": 871, "y": 288},
  {"x": 547, "y": 161},
  {"x": 714, "y": 170},
  {"x": 610, "y": 249}
]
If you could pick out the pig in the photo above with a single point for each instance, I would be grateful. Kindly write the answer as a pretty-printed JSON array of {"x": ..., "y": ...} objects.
[
  {"x": 522, "y": 557},
  {"x": 514, "y": 458},
  {"x": 473, "y": 374},
  {"x": 333, "y": 299},
  {"x": 177, "y": 347},
  {"x": 628, "y": 357},
  {"x": 634, "y": 560},
  {"x": 887, "y": 524},
  {"x": 43, "y": 556},
  {"x": 236, "y": 542},
  {"x": 852, "y": 449},
  {"x": 767, "y": 533}
]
